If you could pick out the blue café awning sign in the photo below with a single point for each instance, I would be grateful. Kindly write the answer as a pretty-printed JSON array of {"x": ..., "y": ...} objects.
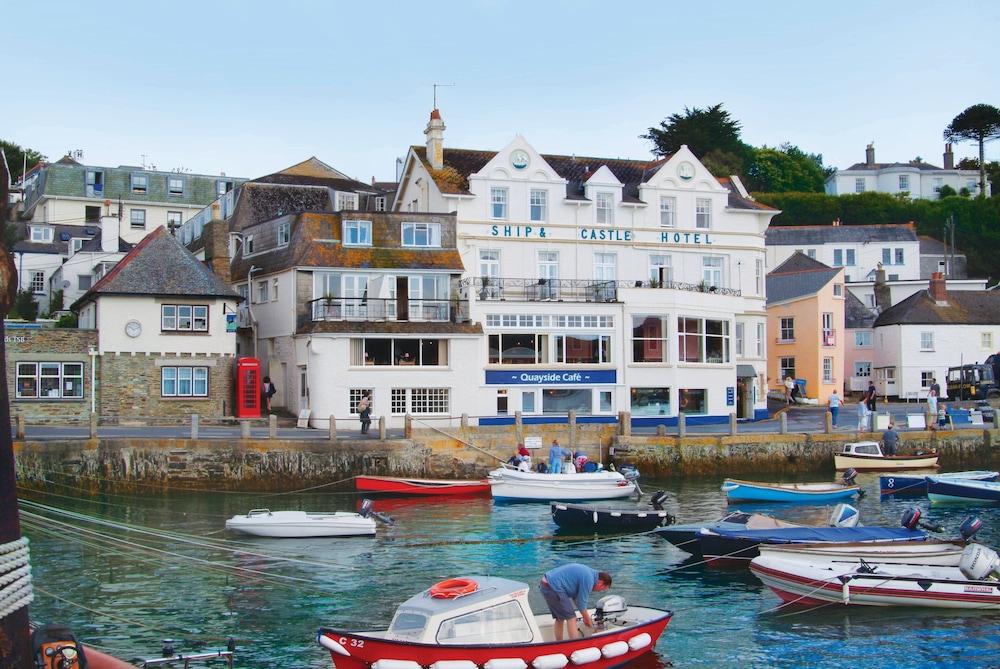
[{"x": 550, "y": 377}]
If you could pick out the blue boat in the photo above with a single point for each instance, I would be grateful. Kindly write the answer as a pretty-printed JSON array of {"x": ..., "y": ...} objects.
[
  {"x": 942, "y": 490},
  {"x": 798, "y": 493},
  {"x": 915, "y": 485}
]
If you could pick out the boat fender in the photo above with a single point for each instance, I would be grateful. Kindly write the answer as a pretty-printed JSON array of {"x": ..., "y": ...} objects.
[
  {"x": 452, "y": 588},
  {"x": 640, "y": 641},
  {"x": 506, "y": 663},
  {"x": 554, "y": 661},
  {"x": 846, "y": 592},
  {"x": 979, "y": 562},
  {"x": 395, "y": 664},
  {"x": 585, "y": 655},
  {"x": 454, "y": 664},
  {"x": 614, "y": 649},
  {"x": 331, "y": 645},
  {"x": 969, "y": 527},
  {"x": 595, "y": 517}
]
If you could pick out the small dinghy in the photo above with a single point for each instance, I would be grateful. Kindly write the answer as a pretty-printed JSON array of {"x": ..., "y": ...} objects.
[
  {"x": 485, "y": 621},
  {"x": 806, "y": 581},
  {"x": 610, "y": 517},
  {"x": 941, "y": 490},
  {"x": 404, "y": 486},
  {"x": 513, "y": 485},
  {"x": 869, "y": 455},
  {"x": 302, "y": 524},
  {"x": 797, "y": 493},
  {"x": 915, "y": 485}
]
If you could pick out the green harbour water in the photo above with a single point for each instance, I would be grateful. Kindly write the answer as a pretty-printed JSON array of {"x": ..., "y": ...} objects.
[{"x": 140, "y": 588}]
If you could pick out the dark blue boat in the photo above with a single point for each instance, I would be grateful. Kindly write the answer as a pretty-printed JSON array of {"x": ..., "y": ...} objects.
[
  {"x": 915, "y": 485},
  {"x": 942, "y": 490}
]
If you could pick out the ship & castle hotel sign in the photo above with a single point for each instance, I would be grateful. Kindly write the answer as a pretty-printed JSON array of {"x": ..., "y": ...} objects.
[{"x": 603, "y": 235}]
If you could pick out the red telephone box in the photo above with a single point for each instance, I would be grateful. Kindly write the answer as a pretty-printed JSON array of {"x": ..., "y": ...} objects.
[{"x": 247, "y": 388}]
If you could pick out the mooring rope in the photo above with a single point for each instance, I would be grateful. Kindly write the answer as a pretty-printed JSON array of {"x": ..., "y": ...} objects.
[{"x": 15, "y": 577}]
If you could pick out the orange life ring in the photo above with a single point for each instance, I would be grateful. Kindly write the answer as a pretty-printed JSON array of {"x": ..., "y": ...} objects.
[{"x": 453, "y": 587}]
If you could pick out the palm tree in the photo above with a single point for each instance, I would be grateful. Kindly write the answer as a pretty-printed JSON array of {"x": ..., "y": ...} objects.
[{"x": 979, "y": 123}]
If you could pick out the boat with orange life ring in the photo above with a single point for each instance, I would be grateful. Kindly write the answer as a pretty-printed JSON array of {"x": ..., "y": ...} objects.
[{"x": 453, "y": 587}]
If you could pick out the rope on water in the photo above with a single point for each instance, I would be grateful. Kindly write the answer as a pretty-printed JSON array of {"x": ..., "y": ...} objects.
[{"x": 15, "y": 577}]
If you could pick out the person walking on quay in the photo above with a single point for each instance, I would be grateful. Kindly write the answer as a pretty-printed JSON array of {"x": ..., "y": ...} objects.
[
  {"x": 556, "y": 455},
  {"x": 932, "y": 397},
  {"x": 889, "y": 440},
  {"x": 870, "y": 396},
  {"x": 834, "y": 401},
  {"x": 566, "y": 590},
  {"x": 862, "y": 416},
  {"x": 789, "y": 386},
  {"x": 365, "y": 413},
  {"x": 267, "y": 390}
]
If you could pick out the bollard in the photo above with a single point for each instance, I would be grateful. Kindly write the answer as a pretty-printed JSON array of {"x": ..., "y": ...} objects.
[
  {"x": 571, "y": 425},
  {"x": 626, "y": 423},
  {"x": 408, "y": 425},
  {"x": 829, "y": 422},
  {"x": 194, "y": 426},
  {"x": 381, "y": 428},
  {"x": 244, "y": 429},
  {"x": 518, "y": 428},
  {"x": 621, "y": 423},
  {"x": 333, "y": 429},
  {"x": 93, "y": 426},
  {"x": 732, "y": 424},
  {"x": 272, "y": 426},
  {"x": 681, "y": 424},
  {"x": 465, "y": 421},
  {"x": 20, "y": 426},
  {"x": 931, "y": 421},
  {"x": 661, "y": 430},
  {"x": 784, "y": 423}
]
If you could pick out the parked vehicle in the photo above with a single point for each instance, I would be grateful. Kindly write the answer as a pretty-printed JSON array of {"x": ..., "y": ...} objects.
[{"x": 975, "y": 381}]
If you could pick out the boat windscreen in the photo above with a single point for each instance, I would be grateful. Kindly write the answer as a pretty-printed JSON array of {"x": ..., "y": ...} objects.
[{"x": 408, "y": 625}]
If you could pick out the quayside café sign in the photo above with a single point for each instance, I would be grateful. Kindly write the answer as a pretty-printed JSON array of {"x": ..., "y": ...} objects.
[
  {"x": 603, "y": 235},
  {"x": 508, "y": 377}
]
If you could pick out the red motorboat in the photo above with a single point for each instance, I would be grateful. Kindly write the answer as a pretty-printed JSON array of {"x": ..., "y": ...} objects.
[
  {"x": 484, "y": 622},
  {"x": 403, "y": 486}
]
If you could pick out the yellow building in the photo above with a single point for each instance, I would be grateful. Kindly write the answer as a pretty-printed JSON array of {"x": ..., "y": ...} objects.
[{"x": 805, "y": 319}]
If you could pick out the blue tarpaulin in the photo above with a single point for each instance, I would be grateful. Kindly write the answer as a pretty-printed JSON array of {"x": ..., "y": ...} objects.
[{"x": 797, "y": 535}]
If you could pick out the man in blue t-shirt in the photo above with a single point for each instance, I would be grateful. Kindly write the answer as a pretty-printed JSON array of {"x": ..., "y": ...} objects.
[
  {"x": 556, "y": 455},
  {"x": 566, "y": 590}
]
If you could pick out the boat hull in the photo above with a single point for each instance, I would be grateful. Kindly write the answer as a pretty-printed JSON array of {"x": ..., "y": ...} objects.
[
  {"x": 937, "y": 553},
  {"x": 913, "y": 485},
  {"x": 749, "y": 491},
  {"x": 943, "y": 491},
  {"x": 738, "y": 548},
  {"x": 362, "y": 649},
  {"x": 301, "y": 525},
  {"x": 592, "y": 518},
  {"x": 804, "y": 584},
  {"x": 507, "y": 485},
  {"x": 883, "y": 463},
  {"x": 404, "y": 486}
]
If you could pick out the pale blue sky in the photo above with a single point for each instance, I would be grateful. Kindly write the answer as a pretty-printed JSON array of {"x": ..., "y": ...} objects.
[{"x": 251, "y": 87}]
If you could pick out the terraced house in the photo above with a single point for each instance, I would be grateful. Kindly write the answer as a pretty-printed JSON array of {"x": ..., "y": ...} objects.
[
  {"x": 65, "y": 203},
  {"x": 602, "y": 284}
]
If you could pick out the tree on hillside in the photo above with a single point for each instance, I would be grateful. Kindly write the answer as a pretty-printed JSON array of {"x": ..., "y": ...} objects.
[
  {"x": 785, "y": 169},
  {"x": 979, "y": 123},
  {"x": 709, "y": 130},
  {"x": 16, "y": 156},
  {"x": 992, "y": 171}
]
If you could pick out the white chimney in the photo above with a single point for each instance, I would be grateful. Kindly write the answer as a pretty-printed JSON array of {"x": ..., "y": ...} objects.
[
  {"x": 435, "y": 140},
  {"x": 110, "y": 227}
]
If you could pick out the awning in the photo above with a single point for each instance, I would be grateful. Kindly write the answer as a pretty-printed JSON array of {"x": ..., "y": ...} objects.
[{"x": 745, "y": 371}]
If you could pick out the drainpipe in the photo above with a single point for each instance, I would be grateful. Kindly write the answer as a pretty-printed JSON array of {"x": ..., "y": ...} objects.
[{"x": 253, "y": 321}]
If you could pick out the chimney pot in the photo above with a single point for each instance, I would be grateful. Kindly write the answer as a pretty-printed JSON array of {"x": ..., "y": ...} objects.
[
  {"x": 937, "y": 288},
  {"x": 435, "y": 140},
  {"x": 870, "y": 154},
  {"x": 949, "y": 157}
]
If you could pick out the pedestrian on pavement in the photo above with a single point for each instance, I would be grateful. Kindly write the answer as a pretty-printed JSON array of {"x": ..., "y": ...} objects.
[
  {"x": 268, "y": 391},
  {"x": 870, "y": 396},
  {"x": 556, "y": 455},
  {"x": 862, "y": 416},
  {"x": 890, "y": 438},
  {"x": 365, "y": 413},
  {"x": 834, "y": 406},
  {"x": 566, "y": 590},
  {"x": 789, "y": 385},
  {"x": 932, "y": 397}
]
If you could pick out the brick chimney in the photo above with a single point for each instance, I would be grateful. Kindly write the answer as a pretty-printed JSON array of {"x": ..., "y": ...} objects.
[
  {"x": 435, "y": 140},
  {"x": 883, "y": 297},
  {"x": 949, "y": 157},
  {"x": 937, "y": 289},
  {"x": 215, "y": 238},
  {"x": 870, "y": 154}
]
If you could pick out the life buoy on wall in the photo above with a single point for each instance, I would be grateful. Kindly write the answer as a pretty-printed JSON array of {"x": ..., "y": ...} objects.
[{"x": 453, "y": 587}]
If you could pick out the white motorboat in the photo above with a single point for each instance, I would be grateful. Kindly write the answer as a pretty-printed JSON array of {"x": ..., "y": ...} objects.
[
  {"x": 806, "y": 581},
  {"x": 302, "y": 524},
  {"x": 508, "y": 484},
  {"x": 869, "y": 455},
  {"x": 937, "y": 553}
]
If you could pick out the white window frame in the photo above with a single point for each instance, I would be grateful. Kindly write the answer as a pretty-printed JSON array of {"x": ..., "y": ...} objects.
[
  {"x": 357, "y": 232},
  {"x": 899, "y": 257},
  {"x": 986, "y": 340},
  {"x": 863, "y": 338},
  {"x": 175, "y": 219},
  {"x": 346, "y": 201},
  {"x": 739, "y": 333},
  {"x": 668, "y": 211},
  {"x": 184, "y": 317},
  {"x": 284, "y": 233},
  {"x": 703, "y": 213},
  {"x": 760, "y": 340},
  {"x": 499, "y": 199},
  {"x": 134, "y": 216},
  {"x": 759, "y": 276},
  {"x": 33, "y": 370},
  {"x": 604, "y": 262},
  {"x": 412, "y": 231},
  {"x": 538, "y": 205},
  {"x": 139, "y": 183},
  {"x": 41, "y": 234},
  {"x": 658, "y": 261},
  {"x": 36, "y": 282},
  {"x": 862, "y": 368},
  {"x": 904, "y": 182},
  {"x": 827, "y": 369},
  {"x": 786, "y": 329},
  {"x": 195, "y": 376},
  {"x": 175, "y": 186},
  {"x": 859, "y": 185},
  {"x": 927, "y": 341},
  {"x": 712, "y": 268},
  {"x": 604, "y": 208},
  {"x": 380, "y": 203},
  {"x": 262, "y": 291}
]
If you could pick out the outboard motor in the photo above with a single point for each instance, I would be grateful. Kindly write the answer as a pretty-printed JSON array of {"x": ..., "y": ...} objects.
[
  {"x": 366, "y": 508},
  {"x": 969, "y": 527},
  {"x": 911, "y": 521},
  {"x": 657, "y": 500},
  {"x": 979, "y": 563},
  {"x": 844, "y": 515},
  {"x": 849, "y": 476},
  {"x": 607, "y": 606},
  {"x": 630, "y": 473}
]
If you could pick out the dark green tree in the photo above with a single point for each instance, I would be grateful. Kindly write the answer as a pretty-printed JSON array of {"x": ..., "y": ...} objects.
[
  {"x": 992, "y": 171},
  {"x": 979, "y": 123},
  {"x": 946, "y": 191},
  {"x": 785, "y": 169},
  {"x": 16, "y": 155},
  {"x": 703, "y": 130}
]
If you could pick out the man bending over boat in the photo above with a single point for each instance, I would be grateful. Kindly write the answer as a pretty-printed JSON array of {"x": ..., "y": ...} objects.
[{"x": 566, "y": 590}]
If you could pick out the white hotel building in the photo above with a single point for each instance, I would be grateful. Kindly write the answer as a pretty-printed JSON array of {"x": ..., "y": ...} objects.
[{"x": 602, "y": 285}]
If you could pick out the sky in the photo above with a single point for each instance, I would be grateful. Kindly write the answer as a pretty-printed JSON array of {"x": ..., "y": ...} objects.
[{"x": 247, "y": 88}]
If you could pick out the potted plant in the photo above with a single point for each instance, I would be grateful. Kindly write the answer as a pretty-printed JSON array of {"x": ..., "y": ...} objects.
[
  {"x": 703, "y": 286},
  {"x": 484, "y": 290}
]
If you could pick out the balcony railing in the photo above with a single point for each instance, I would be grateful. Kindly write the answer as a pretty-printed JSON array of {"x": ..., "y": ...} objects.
[
  {"x": 829, "y": 337},
  {"x": 570, "y": 290},
  {"x": 386, "y": 310}
]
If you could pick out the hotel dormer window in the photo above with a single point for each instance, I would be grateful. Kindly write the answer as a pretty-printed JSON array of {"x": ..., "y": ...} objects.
[
  {"x": 539, "y": 204},
  {"x": 668, "y": 212},
  {"x": 140, "y": 183},
  {"x": 175, "y": 186},
  {"x": 605, "y": 208},
  {"x": 357, "y": 233},
  {"x": 347, "y": 201},
  {"x": 41, "y": 234},
  {"x": 422, "y": 234},
  {"x": 498, "y": 203}
]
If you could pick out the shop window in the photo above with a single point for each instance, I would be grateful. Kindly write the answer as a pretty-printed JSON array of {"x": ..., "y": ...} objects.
[
  {"x": 49, "y": 380},
  {"x": 564, "y": 400},
  {"x": 401, "y": 352},
  {"x": 649, "y": 339},
  {"x": 583, "y": 349},
  {"x": 692, "y": 401},
  {"x": 518, "y": 349},
  {"x": 650, "y": 401}
]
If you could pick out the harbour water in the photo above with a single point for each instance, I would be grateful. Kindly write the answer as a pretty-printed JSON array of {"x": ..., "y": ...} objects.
[{"x": 141, "y": 588}]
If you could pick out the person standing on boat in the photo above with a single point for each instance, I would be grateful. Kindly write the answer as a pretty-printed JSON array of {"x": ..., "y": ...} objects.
[
  {"x": 890, "y": 438},
  {"x": 556, "y": 455},
  {"x": 566, "y": 590},
  {"x": 834, "y": 401}
]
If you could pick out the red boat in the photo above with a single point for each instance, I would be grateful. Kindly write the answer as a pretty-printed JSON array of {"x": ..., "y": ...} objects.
[
  {"x": 401, "y": 486},
  {"x": 485, "y": 623}
]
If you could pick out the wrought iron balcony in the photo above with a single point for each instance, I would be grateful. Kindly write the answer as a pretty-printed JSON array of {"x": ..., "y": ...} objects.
[
  {"x": 829, "y": 337},
  {"x": 570, "y": 290},
  {"x": 386, "y": 310}
]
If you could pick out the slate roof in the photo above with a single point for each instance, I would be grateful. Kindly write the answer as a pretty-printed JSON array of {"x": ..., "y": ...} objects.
[
  {"x": 94, "y": 245},
  {"x": 159, "y": 265},
  {"x": 872, "y": 167},
  {"x": 453, "y": 178},
  {"x": 798, "y": 276},
  {"x": 933, "y": 247},
  {"x": 964, "y": 307},
  {"x": 58, "y": 245},
  {"x": 856, "y": 314},
  {"x": 314, "y": 172},
  {"x": 798, "y": 235}
]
